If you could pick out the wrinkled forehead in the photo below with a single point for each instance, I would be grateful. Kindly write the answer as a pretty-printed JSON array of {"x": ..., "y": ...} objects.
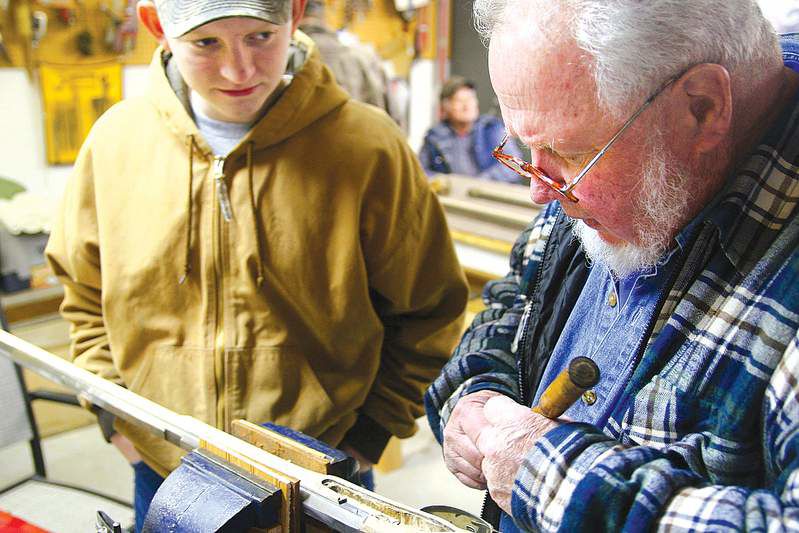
[{"x": 539, "y": 77}]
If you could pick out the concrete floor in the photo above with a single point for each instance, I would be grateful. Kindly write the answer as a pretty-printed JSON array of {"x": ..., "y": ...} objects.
[{"x": 81, "y": 457}]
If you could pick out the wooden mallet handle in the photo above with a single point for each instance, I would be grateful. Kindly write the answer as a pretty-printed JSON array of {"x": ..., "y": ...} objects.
[{"x": 567, "y": 388}]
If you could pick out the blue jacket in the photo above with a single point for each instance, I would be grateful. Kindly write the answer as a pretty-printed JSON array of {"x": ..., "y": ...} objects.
[
  {"x": 438, "y": 152},
  {"x": 705, "y": 437}
]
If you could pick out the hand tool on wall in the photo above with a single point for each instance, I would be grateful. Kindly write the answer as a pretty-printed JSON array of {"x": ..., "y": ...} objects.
[
  {"x": 66, "y": 15},
  {"x": 128, "y": 30},
  {"x": 84, "y": 40},
  {"x": 23, "y": 24},
  {"x": 581, "y": 375},
  {"x": 39, "y": 27}
]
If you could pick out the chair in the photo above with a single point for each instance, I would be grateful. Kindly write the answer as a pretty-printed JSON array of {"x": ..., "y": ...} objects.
[{"x": 37, "y": 498}]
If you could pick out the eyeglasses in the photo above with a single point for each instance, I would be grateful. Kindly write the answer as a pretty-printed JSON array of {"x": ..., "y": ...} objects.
[{"x": 529, "y": 171}]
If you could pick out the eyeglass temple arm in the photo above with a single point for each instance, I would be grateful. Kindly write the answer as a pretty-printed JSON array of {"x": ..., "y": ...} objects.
[{"x": 630, "y": 120}]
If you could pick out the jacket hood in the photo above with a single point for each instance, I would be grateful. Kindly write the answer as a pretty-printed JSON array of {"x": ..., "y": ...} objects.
[{"x": 311, "y": 94}]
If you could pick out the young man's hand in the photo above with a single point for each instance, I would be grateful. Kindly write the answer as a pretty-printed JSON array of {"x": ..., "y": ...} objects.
[
  {"x": 126, "y": 447},
  {"x": 364, "y": 464}
]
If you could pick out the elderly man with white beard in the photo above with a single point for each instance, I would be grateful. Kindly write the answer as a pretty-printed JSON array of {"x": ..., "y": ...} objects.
[{"x": 664, "y": 136}]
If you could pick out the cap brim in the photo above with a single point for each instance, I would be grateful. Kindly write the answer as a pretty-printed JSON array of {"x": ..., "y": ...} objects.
[{"x": 186, "y": 18}]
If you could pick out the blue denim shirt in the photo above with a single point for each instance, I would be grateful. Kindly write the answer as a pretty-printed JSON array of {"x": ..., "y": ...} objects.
[{"x": 608, "y": 323}]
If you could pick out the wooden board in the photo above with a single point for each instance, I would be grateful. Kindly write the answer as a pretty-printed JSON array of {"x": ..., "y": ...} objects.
[
  {"x": 290, "y": 487},
  {"x": 281, "y": 446}
]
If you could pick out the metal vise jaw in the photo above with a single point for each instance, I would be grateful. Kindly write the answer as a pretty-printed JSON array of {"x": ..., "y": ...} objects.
[{"x": 203, "y": 495}]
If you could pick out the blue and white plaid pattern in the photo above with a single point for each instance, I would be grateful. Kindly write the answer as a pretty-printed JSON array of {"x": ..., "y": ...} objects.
[{"x": 706, "y": 434}]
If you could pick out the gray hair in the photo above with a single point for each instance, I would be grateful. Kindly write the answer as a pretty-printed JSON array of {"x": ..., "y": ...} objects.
[{"x": 638, "y": 45}]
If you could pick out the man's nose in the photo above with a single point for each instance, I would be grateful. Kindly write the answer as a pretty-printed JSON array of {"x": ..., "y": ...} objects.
[
  {"x": 239, "y": 65},
  {"x": 541, "y": 193}
]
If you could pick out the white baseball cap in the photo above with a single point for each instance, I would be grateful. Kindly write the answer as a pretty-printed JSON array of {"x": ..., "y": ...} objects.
[{"x": 181, "y": 16}]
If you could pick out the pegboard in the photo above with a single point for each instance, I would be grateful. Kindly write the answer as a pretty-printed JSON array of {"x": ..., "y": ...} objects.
[
  {"x": 69, "y": 22},
  {"x": 395, "y": 37}
]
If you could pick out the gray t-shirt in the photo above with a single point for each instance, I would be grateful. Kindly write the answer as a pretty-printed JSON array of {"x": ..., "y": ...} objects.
[{"x": 221, "y": 136}]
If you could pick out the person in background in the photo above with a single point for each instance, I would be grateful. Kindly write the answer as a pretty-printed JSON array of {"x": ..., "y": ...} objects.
[
  {"x": 357, "y": 68},
  {"x": 664, "y": 145},
  {"x": 463, "y": 141},
  {"x": 246, "y": 241}
]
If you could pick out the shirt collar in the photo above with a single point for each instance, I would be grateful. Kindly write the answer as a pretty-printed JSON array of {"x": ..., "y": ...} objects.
[{"x": 761, "y": 195}]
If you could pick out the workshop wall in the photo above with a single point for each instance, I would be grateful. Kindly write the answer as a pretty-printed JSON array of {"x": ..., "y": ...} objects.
[
  {"x": 22, "y": 143},
  {"x": 69, "y": 32},
  {"x": 405, "y": 40},
  {"x": 77, "y": 41}
]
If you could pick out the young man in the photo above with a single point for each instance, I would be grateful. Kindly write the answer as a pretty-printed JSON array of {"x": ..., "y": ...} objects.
[
  {"x": 245, "y": 241},
  {"x": 664, "y": 137}
]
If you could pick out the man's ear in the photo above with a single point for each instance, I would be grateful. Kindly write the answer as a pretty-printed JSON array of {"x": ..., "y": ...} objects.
[
  {"x": 704, "y": 106},
  {"x": 148, "y": 16},
  {"x": 297, "y": 11}
]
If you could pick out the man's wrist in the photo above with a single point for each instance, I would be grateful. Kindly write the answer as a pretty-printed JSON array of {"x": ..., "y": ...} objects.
[
  {"x": 367, "y": 437},
  {"x": 106, "y": 421}
]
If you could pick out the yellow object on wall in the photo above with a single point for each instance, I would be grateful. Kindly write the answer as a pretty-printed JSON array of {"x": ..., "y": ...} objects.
[{"x": 74, "y": 96}]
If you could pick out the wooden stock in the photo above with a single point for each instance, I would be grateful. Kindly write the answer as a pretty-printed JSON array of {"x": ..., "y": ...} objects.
[{"x": 581, "y": 375}]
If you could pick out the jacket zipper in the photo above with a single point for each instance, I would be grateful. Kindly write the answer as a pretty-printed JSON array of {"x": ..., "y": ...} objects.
[
  {"x": 519, "y": 347},
  {"x": 524, "y": 322},
  {"x": 221, "y": 188},
  {"x": 223, "y": 207}
]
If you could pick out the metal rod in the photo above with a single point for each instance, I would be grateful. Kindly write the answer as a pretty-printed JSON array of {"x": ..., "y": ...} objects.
[{"x": 366, "y": 512}]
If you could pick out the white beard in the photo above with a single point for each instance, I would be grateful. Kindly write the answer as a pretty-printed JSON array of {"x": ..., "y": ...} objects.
[{"x": 662, "y": 204}]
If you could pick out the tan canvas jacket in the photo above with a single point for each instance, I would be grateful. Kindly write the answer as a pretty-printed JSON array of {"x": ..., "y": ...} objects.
[{"x": 333, "y": 289}]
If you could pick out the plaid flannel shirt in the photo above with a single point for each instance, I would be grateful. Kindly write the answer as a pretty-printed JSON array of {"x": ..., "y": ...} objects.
[{"x": 705, "y": 436}]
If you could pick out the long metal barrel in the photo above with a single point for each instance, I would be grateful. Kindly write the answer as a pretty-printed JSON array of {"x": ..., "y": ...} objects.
[{"x": 333, "y": 501}]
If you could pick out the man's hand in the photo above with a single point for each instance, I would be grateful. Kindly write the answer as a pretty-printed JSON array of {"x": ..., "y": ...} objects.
[
  {"x": 461, "y": 455},
  {"x": 511, "y": 431},
  {"x": 126, "y": 447},
  {"x": 364, "y": 464}
]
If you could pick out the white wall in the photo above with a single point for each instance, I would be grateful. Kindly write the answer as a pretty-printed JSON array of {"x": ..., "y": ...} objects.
[
  {"x": 783, "y": 14},
  {"x": 424, "y": 101},
  {"x": 22, "y": 148}
]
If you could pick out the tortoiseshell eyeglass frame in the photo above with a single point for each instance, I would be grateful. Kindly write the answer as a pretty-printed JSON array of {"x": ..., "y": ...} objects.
[{"x": 529, "y": 171}]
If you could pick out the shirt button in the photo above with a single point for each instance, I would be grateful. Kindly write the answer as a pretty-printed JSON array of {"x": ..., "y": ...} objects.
[
  {"x": 589, "y": 397},
  {"x": 612, "y": 301}
]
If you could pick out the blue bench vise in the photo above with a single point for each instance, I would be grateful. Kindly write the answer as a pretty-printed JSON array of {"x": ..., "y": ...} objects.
[{"x": 208, "y": 494}]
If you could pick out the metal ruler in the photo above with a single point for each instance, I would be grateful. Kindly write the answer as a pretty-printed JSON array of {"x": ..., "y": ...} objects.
[{"x": 336, "y": 503}]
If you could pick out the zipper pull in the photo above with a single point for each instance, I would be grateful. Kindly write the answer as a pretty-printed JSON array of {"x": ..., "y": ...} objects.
[
  {"x": 522, "y": 326},
  {"x": 221, "y": 188}
]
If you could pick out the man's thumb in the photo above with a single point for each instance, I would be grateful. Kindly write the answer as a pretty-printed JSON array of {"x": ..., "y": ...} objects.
[{"x": 501, "y": 409}]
